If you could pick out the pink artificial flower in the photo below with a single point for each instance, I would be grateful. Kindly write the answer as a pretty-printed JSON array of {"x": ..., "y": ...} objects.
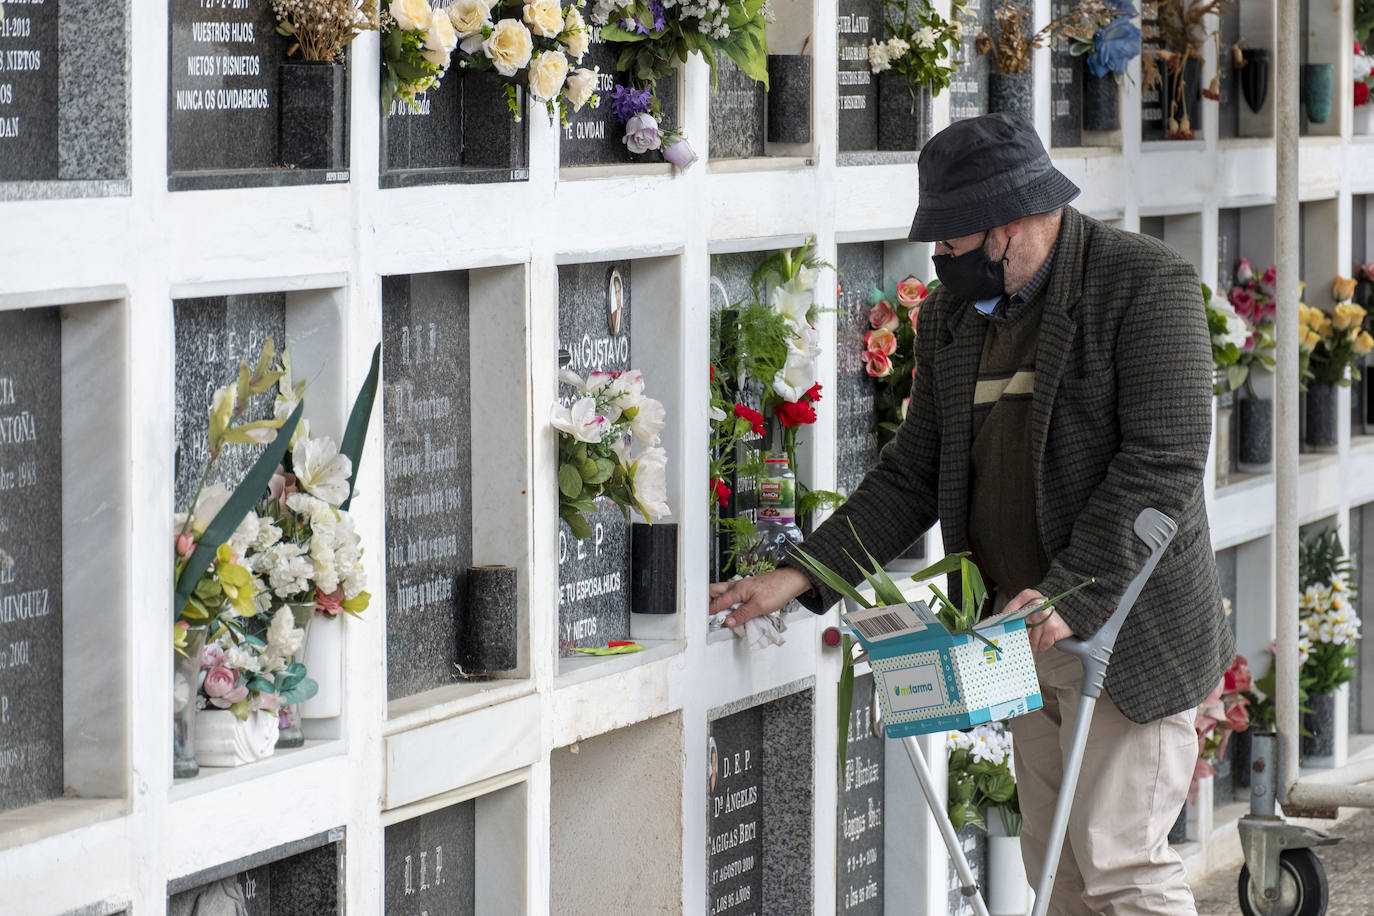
[
  {"x": 1237, "y": 718},
  {"x": 882, "y": 341},
  {"x": 281, "y": 485},
  {"x": 223, "y": 688},
  {"x": 882, "y": 317},
  {"x": 1366, "y": 270},
  {"x": 212, "y": 656},
  {"x": 877, "y": 362},
  {"x": 1244, "y": 271},
  {"x": 1267, "y": 282},
  {"x": 185, "y": 545},
  {"x": 330, "y": 604},
  {"x": 1237, "y": 677},
  {"x": 914, "y": 313},
  {"x": 906, "y": 402},
  {"x": 911, "y": 292},
  {"x": 1243, "y": 302},
  {"x": 1250, "y": 340}
]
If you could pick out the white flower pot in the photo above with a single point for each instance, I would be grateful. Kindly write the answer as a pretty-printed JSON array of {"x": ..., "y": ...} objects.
[
  {"x": 1008, "y": 892},
  {"x": 1362, "y": 123},
  {"x": 225, "y": 740},
  {"x": 323, "y": 659}
]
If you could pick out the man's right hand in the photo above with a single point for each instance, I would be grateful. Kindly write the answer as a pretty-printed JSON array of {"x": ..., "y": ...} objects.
[{"x": 757, "y": 595}]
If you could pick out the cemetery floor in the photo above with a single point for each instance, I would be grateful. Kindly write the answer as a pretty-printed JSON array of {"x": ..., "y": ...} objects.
[{"x": 1351, "y": 888}]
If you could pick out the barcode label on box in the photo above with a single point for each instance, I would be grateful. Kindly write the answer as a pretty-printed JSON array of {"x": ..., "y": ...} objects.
[{"x": 877, "y": 623}]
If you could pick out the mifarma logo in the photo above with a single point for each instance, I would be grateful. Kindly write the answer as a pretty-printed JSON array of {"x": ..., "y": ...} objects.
[{"x": 909, "y": 689}]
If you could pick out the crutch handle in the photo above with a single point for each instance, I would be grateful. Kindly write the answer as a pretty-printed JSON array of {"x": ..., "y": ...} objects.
[{"x": 1156, "y": 529}]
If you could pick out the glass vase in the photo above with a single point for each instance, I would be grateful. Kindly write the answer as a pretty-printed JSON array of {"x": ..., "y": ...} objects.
[
  {"x": 185, "y": 685},
  {"x": 289, "y": 717}
]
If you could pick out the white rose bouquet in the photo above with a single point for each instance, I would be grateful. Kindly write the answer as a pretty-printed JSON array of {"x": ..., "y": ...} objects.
[
  {"x": 596, "y": 436},
  {"x": 417, "y": 46}
]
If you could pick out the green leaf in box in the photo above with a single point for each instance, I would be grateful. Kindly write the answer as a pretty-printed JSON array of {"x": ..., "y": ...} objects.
[{"x": 931, "y": 680}]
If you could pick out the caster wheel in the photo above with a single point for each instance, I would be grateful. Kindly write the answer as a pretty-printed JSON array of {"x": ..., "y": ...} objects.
[{"x": 1302, "y": 887}]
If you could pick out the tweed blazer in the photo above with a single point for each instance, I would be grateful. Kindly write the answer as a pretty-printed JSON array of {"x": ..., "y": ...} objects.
[{"x": 1121, "y": 419}]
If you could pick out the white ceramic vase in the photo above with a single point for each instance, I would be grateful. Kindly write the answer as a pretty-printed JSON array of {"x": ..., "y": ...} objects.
[
  {"x": 1008, "y": 892},
  {"x": 1363, "y": 116},
  {"x": 224, "y": 740},
  {"x": 323, "y": 659}
]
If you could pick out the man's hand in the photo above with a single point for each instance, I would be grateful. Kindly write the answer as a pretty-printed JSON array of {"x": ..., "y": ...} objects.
[
  {"x": 1042, "y": 635},
  {"x": 757, "y": 595}
]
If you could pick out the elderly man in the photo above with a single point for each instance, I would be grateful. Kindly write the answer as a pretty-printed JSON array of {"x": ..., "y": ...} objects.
[{"x": 1063, "y": 384}]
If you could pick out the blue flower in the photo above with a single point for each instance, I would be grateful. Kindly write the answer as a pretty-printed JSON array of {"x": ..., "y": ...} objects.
[
  {"x": 1113, "y": 47},
  {"x": 627, "y": 102}
]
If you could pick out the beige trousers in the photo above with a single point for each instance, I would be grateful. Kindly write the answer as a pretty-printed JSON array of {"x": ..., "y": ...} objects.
[{"x": 1116, "y": 857}]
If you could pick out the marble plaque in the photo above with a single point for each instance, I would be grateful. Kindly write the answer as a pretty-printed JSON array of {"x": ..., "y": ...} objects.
[
  {"x": 30, "y": 557},
  {"x": 856, "y": 441},
  {"x": 303, "y": 877},
  {"x": 29, "y": 91},
  {"x": 736, "y": 113},
  {"x": 1066, "y": 87},
  {"x": 859, "y": 22},
  {"x": 968, "y": 89},
  {"x": 427, "y": 417},
  {"x": 213, "y": 336},
  {"x": 431, "y": 863},
  {"x": 594, "y": 136},
  {"x": 859, "y": 846},
  {"x": 594, "y": 572},
  {"x": 223, "y": 97},
  {"x": 759, "y": 800}
]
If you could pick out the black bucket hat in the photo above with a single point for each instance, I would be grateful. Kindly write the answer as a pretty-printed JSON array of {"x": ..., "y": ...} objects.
[{"x": 984, "y": 172}]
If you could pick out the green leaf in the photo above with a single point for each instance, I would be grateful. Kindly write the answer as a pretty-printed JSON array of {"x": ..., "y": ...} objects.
[
  {"x": 829, "y": 577},
  {"x": 998, "y": 786},
  {"x": 975, "y": 592},
  {"x": 569, "y": 481},
  {"x": 845, "y": 702},
  {"x": 946, "y": 565},
  {"x": 576, "y": 522},
  {"x": 222, "y": 527},
  {"x": 355, "y": 433},
  {"x": 299, "y": 692}
]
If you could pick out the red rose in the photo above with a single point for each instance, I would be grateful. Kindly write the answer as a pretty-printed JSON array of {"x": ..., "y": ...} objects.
[
  {"x": 1361, "y": 93},
  {"x": 795, "y": 413},
  {"x": 719, "y": 491},
  {"x": 753, "y": 416}
]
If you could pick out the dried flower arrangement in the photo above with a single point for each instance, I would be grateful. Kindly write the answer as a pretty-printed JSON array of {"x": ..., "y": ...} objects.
[
  {"x": 1178, "y": 31},
  {"x": 323, "y": 29}
]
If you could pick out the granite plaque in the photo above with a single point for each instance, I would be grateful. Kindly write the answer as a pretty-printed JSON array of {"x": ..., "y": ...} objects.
[
  {"x": 736, "y": 113},
  {"x": 759, "y": 805},
  {"x": 859, "y": 846},
  {"x": 213, "y": 336},
  {"x": 222, "y": 101},
  {"x": 594, "y": 573},
  {"x": 1066, "y": 86},
  {"x": 856, "y": 440},
  {"x": 1228, "y": 108},
  {"x": 974, "y": 842},
  {"x": 1153, "y": 99},
  {"x": 30, "y": 557},
  {"x": 431, "y": 863},
  {"x": 297, "y": 883},
  {"x": 428, "y": 135},
  {"x": 734, "y": 829},
  {"x": 594, "y": 136},
  {"x": 968, "y": 89},
  {"x": 29, "y": 90},
  {"x": 427, "y": 417},
  {"x": 859, "y": 22},
  {"x": 1228, "y": 249}
]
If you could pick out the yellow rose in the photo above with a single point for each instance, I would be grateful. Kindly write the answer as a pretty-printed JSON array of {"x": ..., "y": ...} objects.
[
  {"x": 468, "y": 16},
  {"x": 580, "y": 86},
  {"x": 1363, "y": 344},
  {"x": 1342, "y": 288},
  {"x": 1348, "y": 315},
  {"x": 547, "y": 74},
  {"x": 1326, "y": 329},
  {"x": 411, "y": 15},
  {"x": 544, "y": 17},
  {"x": 576, "y": 35},
  {"x": 1308, "y": 339},
  {"x": 509, "y": 46}
]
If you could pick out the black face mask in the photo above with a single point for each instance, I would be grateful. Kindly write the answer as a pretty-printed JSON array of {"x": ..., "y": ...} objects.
[{"x": 973, "y": 275}]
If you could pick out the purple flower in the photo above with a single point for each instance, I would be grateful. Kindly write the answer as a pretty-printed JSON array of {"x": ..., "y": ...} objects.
[
  {"x": 627, "y": 102},
  {"x": 641, "y": 134},
  {"x": 634, "y": 25}
]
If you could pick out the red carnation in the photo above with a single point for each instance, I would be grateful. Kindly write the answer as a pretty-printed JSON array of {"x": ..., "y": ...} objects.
[
  {"x": 813, "y": 394},
  {"x": 1361, "y": 93},
  {"x": 720, "y": 491},
  {"x": 753, "y": 416},
  {"x": 795, "y": 413}
]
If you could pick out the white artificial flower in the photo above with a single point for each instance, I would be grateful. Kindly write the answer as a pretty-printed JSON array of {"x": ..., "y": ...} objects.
[
  {"x": 181, "y": 688},
  {"x": 509, "y": 46},
  {"x": 878, "y": 57},
  {"x": 439, "y": 41},
  {"x": 580, "y": 85},
  {"x": 796, "y": 376},
  {"x": 1236, "y": 331},
  {"x": 411, "y": 15},
  {"x": 246, "y": 534},
  {"x": 284, "y": 638},
  {"x": 716, "y": 414},
  {"x": 544, "y": 17},
  {"x": 320, "y": 470},
  {"x": 320, "y": 513},
  {"x": 287, "y": 569},
  {"x": 211, "y": 499},
  {"x": 243, "y": 658},
  {"x": 1362, "y": 67},
  {"x": 925, "y": 37},
  {"x": 793, "y": 305},
  {"x": 576, "y": 36},
  {"x": 581, "y": 421},
  {"x": 650, "y": 483},
  {"x": 896, "y": 47},
  {"x": 268, "y": 536},
  {"x": 648, "y": 422},
  {"x": 469, "y": 16}
]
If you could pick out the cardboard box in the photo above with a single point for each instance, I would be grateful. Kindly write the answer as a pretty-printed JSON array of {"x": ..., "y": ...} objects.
[{"x": 929, "y": 681}]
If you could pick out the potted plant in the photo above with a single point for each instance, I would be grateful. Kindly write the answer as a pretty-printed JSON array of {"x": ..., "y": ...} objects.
[
  {"x": 313, "y": 102},
  {"x": 1252, "y": 297},
  {"x": 1328, "y": 628},
  {"x": 1229, "y": 334},
  {"x": 982, "y": 793},
  {"x": 1329, "y": 348},
  {"x": 912, "y": 65},
  {"x": 1171, "y": 60},
  {"x": 1104, "y": 34}
]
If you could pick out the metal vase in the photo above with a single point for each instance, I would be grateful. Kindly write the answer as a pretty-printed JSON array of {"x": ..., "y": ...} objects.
[
  {"x": 1254, "y": 77},
  {"x": 1101, "y": 110},
  {"x": 1011, "y": 93},
  {"x": 1318, "y": 82},
  {"x": 313, "y": 109}
]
